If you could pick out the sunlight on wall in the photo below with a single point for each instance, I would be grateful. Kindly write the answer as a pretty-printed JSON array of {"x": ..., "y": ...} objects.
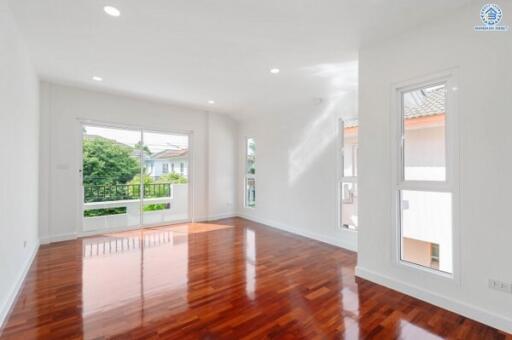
[{"x": 316, "y": 136}]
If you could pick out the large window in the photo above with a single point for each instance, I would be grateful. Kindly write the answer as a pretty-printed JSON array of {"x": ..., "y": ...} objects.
[
  {"x": 126, "y": 180},
  {"x": 250, "y": 173},
  {"x": 348, "y": 203},
  {"x": 425, "y": 187}
]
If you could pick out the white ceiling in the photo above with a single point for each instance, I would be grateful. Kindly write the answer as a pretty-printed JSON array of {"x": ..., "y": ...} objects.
[{"x": 191, "y": 51}]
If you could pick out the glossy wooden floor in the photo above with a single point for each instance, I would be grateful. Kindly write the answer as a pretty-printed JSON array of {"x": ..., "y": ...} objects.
[{"x": 231, "y": 279}]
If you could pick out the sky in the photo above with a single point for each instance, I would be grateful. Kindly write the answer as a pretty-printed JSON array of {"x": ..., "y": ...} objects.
[{"x": 156, "y": 141}]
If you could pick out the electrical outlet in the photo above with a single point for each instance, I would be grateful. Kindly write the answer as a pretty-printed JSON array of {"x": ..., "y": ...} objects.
[{"x": 500, "y": 286}]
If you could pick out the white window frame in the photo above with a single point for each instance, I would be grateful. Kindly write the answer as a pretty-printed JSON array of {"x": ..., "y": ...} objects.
[
  {"x": 452, "y": 159},
  {"x": 165, "y": 168},
  {"x": 341, "y": 173},
  {"x": 247, "y": 175}
]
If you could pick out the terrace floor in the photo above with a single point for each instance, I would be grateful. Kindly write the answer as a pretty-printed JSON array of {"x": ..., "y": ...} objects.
[{"x": 227, "y": 279}]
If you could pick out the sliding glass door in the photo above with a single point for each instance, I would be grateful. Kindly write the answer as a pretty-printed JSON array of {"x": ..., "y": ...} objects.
[
  {"x": 133, "y": 177},
  {"x": 166, "y": 164}
]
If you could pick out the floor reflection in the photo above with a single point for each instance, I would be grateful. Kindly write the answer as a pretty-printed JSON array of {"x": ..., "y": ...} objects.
[
  {"x": 250, "y": 263},
  {"x": 231, "y": 279},
  {"x": 118, "y": 270},
  {"x": 408, "y": 330},
  {"x": 133, "y": 241},
  {"x": 130, "y": 268}
]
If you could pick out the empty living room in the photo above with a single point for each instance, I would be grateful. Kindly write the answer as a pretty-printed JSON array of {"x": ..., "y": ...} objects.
[{"x": 272, "y": 169}]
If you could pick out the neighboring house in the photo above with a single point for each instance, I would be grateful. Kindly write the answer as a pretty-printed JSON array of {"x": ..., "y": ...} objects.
[
  {"x": 427, "y": 236},
  {"x": 167, "y": 161},
  {"x": 425, "y": 240}
]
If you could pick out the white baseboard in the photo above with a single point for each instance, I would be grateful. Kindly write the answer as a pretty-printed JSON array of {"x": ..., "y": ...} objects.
[
  {"x": 199, "y": 219},
  {"x": 277, "y": 225},
  {"x": 121, "y": 229},
  {"x": 73, "y": 236},
  {"x": 221, "y": 216},
  {"x": 314, "y": 236},
  {"x": 469, "y": 311},
  {"x": 6, "y": 309}
]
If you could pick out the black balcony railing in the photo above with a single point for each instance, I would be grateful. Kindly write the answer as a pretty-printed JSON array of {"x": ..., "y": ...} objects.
[{"x": 119, "y": 192}]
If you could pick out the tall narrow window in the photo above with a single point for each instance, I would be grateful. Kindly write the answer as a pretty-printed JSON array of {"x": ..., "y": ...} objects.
[
  {"x": 348, "y": 179},
  {"x": 250, "y": 173},
  {"x": 425, "y": 189}
]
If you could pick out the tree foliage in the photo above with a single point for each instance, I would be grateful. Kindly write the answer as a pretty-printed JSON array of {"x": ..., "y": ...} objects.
[
  {"x": 173, "y": 178},
  {"x": 170, "y": 178},
  {"x": 147, "y": 180},
  {"x": 108, "y": 162},
  {"x": 145, "y": 148}
]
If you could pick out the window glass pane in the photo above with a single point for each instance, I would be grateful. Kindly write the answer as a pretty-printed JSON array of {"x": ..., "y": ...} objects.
[
  {"x": 349, "y": 205},
  {"x": 111, "y": 166},
  {"x": 165, "y": 193},
  {"x": 350, "y": 146},
  {"x": 251, "y": 192},
  {"x": 251, "y": 156},
  {"x": 424, "y": 123},
  {"x": 426, "y": 229}
]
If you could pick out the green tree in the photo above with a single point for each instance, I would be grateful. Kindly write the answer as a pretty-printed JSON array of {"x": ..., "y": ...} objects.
[
  {"x": 108, "y": 162},
  {"x": 172, "y": 178},
  {"x": 147, "y": 180},
  {"x": 139, "y": 146}
]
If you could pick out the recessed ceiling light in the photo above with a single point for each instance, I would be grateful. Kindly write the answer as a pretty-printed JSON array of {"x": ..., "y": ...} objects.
[
  {"x": 112, "y": 11},
  {"x": 96, "y": 78},
  {"x": 211, "y": 102},
  {"x": 274, "y": 71}
]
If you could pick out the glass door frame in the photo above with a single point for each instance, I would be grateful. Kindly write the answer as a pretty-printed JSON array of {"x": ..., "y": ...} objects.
[{"x": 81, "y": 123}]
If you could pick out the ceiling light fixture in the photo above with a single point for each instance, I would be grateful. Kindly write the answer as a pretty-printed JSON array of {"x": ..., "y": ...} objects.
[
  {"x": 112, "y": 11},
  {"x": 96, "y": 78},
  {"x": 274, "y": 71},
  {"x": 211, "y": 102}
]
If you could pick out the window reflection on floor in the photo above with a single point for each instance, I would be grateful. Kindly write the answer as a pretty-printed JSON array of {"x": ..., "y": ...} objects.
[
  {"x": 119, "y": 270},
  {"x": 250, "y": 262},
  {"x": 411, "y": 331}
]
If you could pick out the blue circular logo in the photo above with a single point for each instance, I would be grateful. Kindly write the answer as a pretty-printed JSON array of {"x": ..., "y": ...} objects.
[{"x": 491, "y": 14}]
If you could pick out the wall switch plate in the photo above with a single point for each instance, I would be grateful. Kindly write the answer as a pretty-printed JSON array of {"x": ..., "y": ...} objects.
[{"x": 505, "y": 287}]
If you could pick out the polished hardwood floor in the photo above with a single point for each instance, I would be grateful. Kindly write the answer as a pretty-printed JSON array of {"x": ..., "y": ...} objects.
[{"x": 231, "y": 279}]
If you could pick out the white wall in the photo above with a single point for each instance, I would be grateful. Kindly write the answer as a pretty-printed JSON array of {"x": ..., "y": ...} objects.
[
  {"x": 296, "y": 170},
  {"x": 19, "y": 126},
  {"x": 61, "y": 109},
  {"x": 222, "y": 166},
  {"x": 484, "y": 107}
]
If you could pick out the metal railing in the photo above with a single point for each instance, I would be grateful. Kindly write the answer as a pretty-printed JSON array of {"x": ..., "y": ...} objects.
[{"x": 119, "y": 192}]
